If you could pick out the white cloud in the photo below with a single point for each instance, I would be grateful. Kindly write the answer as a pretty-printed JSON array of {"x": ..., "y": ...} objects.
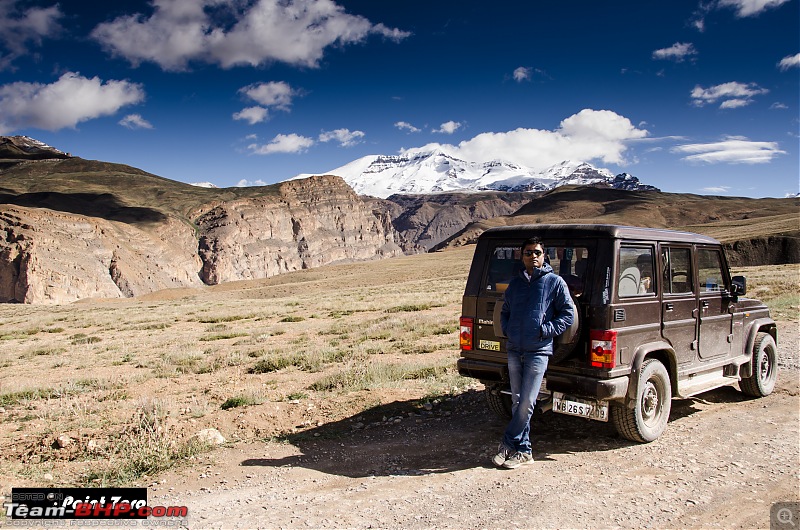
[
  {"x": 731, "y": 150},
  {"x": 254, "y": 33},
  {"x": 65, "y": 103},
  {"x": 345, "y": 137},
  {"x": 748, "y": 8},
  {"x": 135, "y": 121},
  {"x": 733, "y": 94},
  {"x": 790, "y": 61},
  {"x": 678, "y": 52},
  {"x": 275, "y": 94},
  {"x": 20, "y": 29},
  {"x": 245, "y": 183},
  {"x": 252, "y": 115},
  {"x": 778, "y": 106},
  {"x": 588, "y": 135},
  {"x": 716, "y": 189},
  {"x": 523, "y": 73},
  {"x": 283, "y": 143},
  {"x": 448, "y": 127},
  {"x": 402, "y": 125}
]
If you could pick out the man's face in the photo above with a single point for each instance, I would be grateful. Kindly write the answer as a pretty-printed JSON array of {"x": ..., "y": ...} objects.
[{"x": 533, "y": 256}]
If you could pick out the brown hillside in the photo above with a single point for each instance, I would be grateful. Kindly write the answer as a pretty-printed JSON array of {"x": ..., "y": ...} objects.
[{"x": 756, "y": 231}]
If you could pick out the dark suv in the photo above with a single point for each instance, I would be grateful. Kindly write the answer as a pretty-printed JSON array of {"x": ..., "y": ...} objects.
[{"x": 657, "y": 316}]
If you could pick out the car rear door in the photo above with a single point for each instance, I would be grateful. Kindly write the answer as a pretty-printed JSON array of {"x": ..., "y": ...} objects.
[{"x": 679, "y": 314}]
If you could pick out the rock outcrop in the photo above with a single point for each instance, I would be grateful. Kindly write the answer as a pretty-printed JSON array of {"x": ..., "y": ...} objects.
[
  {"x": 48, "y": 256},
  {"x": 310, "y": 222},
  {"x": 424, "y": 221},
  {"x": 53, "y": 256}
]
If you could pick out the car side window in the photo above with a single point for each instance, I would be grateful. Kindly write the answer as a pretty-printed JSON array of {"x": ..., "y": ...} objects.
[
  {"x": 677, "y": 272},
  {"x": 709, "y": 270},
  {"x": 636, "y": 271}
]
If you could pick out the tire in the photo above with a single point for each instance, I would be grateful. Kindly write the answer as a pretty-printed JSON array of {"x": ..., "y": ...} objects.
[
  {"x": 648, "y": 418},
  {"x": 498, "y": 402},
  {"x": 765, "y": 367},
  {"x": 564, "y": 344}
]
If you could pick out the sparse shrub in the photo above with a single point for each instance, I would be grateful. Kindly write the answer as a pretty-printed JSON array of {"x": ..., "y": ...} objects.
[
  {"x": 292, "y": 318},
  {"x": 408, "y": 308},
  {"x": 238, "y": 401}
]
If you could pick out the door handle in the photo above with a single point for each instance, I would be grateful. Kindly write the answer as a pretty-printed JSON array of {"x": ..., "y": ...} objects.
[
  {"x": 669, "y": 306},
  {"x": 704, "y": 304}
]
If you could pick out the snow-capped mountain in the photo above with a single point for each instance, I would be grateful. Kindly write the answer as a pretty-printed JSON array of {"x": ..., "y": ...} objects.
[
  {"x": 25, "y": 147},
  {"x": 435, "y": 171}
]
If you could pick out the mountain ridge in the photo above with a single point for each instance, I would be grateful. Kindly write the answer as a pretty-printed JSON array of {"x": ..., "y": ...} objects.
[{"x": 430, "y": 172}]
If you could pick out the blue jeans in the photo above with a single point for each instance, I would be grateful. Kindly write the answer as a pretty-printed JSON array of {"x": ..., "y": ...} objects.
[{"x": 525, "y": 370}]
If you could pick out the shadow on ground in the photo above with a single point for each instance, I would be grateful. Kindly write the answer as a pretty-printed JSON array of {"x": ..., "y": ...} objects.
[{"x": 458, "y": 432}]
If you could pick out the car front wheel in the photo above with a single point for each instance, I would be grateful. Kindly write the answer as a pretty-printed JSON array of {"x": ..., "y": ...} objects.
[{"x": 765, "y": 368}]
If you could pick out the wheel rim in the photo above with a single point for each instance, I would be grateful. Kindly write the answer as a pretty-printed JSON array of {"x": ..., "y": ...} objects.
[
  {"x": 765, "y": 366},
  {"x": 651, "y": 403}
]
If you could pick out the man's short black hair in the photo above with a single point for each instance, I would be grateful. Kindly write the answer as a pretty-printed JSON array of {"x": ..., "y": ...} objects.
[{"x": 533, "y": 241}]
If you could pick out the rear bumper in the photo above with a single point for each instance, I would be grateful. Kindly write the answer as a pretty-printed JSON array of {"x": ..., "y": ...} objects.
[
  {"x": 576, "y": 385},
  {"x": 579, "y": 385},
  {"x": 483, "y": 370}
]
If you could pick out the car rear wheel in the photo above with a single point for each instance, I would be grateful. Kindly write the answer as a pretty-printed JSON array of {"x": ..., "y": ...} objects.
[
  {"x": 498, "y": 402},
  {"x": 765, "y": 368},
  {"x": 648, "y": 418}
]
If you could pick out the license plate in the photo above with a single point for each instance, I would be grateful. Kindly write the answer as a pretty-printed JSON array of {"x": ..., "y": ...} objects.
[
  {"x": 489, "y": 345},
  {"x": 594, "y": 410}
]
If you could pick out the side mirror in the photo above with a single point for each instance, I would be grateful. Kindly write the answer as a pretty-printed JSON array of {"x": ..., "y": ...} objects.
[{"x": 738, "y": 286}]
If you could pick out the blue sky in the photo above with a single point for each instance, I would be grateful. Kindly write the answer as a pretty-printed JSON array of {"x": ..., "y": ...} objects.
[{"x": 694, "y": 96}]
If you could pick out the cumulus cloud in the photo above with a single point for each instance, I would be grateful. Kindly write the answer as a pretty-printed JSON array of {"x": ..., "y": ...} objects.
[
  {"x": 790, "y": 61},
  {"x": 588, "y": 135},
  {"x": 65, "y": 103},
  {"x": 448, "y": 127},
  {"x": 405, "y": 126},
  {"x": 731, "y": 150},
  {"x": 135, "y": 121},
  {"x": 245, "y": 183},
  {"x": 716, "y": 189},
  {"x": 678, "y": 52},
  {"x": 733, "y": 94},
  {"x": 273, "y": 95},
  {"x": 345, "y": 137},
  {"x": 749, "y": 8},
  {"x": 252, "y": 115},
  {"x": 523, "y": 73},
  {"x": 20, "y": 29},
  {"x": 228, "y": 34},
  {"x": 283, "y": 143}
]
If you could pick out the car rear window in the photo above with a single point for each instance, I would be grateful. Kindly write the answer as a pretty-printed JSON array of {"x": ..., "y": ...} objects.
[{"x": 569, "y": 262}]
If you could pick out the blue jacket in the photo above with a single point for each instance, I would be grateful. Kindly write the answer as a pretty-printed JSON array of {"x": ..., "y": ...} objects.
[{"x": 536, "y": 311}]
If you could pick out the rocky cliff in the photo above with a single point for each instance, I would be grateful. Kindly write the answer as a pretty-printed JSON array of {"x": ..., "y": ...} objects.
[
  {"x": 310, "y": 222},
  {"x": 424, "y": 221},
  {"x": 109, "y": 231},
  {"x": 49, "y": 256}
]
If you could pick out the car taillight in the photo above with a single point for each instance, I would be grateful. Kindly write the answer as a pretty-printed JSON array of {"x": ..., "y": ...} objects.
[
  {"x": 465, "y": 336},
  {"x": 604, "y": 348}
]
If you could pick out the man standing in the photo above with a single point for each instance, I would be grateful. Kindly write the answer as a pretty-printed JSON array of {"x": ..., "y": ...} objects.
[{"x": 536, "y": 308}]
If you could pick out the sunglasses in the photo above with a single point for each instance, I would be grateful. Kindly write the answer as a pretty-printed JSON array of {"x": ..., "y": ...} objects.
[{"x": 529, "y": 253}]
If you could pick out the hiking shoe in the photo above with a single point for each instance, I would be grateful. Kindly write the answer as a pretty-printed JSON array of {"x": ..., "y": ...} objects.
[
  {"x": 503, "y": 453},
  {"x": 518, "y": 459}
]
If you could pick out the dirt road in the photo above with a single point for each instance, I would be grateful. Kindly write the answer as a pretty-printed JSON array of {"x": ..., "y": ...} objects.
[{"x": 722, "y": 462}]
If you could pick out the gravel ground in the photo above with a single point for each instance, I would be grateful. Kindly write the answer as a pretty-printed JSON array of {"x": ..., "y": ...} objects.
[{"x": 722, "y": 462}]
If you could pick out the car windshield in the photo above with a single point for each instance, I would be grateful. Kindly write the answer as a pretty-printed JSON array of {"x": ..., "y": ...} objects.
[{"x": 567, "y": 261}]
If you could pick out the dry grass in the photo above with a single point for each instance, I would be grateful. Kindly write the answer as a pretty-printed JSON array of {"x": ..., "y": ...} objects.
[{"x": 131, "y": 381}]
